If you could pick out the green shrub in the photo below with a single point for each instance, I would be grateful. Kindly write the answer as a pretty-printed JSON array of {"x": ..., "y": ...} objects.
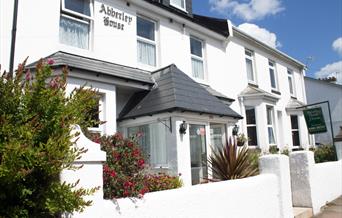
[
  {"x": 36, "y": 119},
  {"x": 273, "y": 149},
  {"x": 231, "y": 162},
  {"x": 254, "y": 155},
  {"x": 285, "y": 151},
  {"x": 162, "y": 182},
  {"x": 325, "y": 153}
]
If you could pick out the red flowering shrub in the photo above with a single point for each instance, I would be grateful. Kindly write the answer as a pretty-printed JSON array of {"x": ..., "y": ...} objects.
[
  {"x": 123, "y": 172},
  {"x": 162, "y": 182}
]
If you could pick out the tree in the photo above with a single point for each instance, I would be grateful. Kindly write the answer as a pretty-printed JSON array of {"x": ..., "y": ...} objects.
[{"x": 36, "y": 118}]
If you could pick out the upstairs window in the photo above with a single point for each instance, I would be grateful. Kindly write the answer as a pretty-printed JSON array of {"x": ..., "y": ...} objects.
[
  {"x": 75, "y": 22},
  {"x": 251, "y": 127},
  {"x": 178, "y": 4},
  {"x": 249, "y": 57},
  {"x": 273, "y": 75},
  {"x": 197, "y": 60},
  {"x": 146, "y": 40},
  {"x": 291, "y": 82},
  {"x": 270, "y": 125}
]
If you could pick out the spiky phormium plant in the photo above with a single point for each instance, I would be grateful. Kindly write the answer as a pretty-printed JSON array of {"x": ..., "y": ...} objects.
[{"x": 231, "y": 162}]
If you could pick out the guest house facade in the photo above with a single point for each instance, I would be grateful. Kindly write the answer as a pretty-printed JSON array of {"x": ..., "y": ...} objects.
[{"x": 182, "y": 80}]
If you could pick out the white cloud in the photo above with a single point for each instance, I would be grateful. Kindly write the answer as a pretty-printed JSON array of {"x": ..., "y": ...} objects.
[
  {"x": 337, "y": 45},
  {"x": 334, "y": 69},
  {"x": 261, "y": 34},
  {"x": 252, "y": 10}
]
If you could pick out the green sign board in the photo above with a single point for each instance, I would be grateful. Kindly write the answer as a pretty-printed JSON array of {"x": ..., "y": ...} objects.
[{"x": 315, "y": 120}]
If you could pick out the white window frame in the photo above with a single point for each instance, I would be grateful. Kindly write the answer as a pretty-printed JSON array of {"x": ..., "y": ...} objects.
[
  {"x": 148, "y": 41},
  {"x": 101, "y": 108},
  {"x": 198, "y": 58},
  {"x": 79, "y": 17},
  {"x": 290, "y": 75},
  {"x": 252, "y": 125},
  {"x": 295, "y": 130},
  {"x": 271, "y": 124},
  {"x": 272, "y": 66},
  {"x": 173, "y": 4},
  {"x": 252, "y": 59}
]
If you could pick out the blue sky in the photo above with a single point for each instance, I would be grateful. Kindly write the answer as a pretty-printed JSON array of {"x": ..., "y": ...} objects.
[{"x": 300, "y": 28}]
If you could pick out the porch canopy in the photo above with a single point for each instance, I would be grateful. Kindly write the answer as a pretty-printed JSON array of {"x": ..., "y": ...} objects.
[{"x": 175, "y": 91}]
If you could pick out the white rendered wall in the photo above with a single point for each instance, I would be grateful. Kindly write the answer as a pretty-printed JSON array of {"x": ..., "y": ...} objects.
[
  {"x": 313, "y": 185},
  {"x": 217, "y": 200}
]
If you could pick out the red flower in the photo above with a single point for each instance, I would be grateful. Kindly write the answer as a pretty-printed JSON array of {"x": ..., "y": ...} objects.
[
  {"x": 28, "y": 75},
  {"x": 130, "y": 144},
  {"x": 50, "y": 61},
  {"x": 136, "y": 152},
  {"x": 112, "y": 173},
  {"x": 141, "y": 162}
]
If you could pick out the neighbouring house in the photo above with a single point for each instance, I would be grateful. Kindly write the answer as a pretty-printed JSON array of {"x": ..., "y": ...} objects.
[
  {"x": 180, "y": 79},
  {"x": 322, "y": 91}
]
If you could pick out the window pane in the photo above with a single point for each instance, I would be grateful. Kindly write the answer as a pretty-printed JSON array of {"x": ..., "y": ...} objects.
[
  {"x": 290, "y": 84},
  {"x": 197, "y": 68},
  {"x": 250, "y": 116},
  {"x": 79, "y": 6},
  {"x": 158, "y": 145},
  {"x": 73, "y": 32},
  {"x": 216, "y": 135},
  {"x": 145, "y": 28},
  {"x": 196, "y": 47},
  {"x": 272, "y": 77},
  {"x": 252, "y": 136},
  {"x": 249, "y": 67},
  {"x": 179, "y": 3},
  {"x": 294, "y": 122},
  {"x": 248, "y": 53},
  {"x": 146, "y": 53},
  {"x": 269, "y": 116},
  {"x": 295, "y": 138},
  {"x": 271, "y": 139}
]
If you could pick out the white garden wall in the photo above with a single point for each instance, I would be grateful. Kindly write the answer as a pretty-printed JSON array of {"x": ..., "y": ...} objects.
[
  {"x": 313, "y": 185},
  {"x": 235, "y": 198}
]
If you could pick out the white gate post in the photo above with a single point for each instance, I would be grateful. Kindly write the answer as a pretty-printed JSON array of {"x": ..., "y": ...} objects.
[{"x": 279, "y": 165}]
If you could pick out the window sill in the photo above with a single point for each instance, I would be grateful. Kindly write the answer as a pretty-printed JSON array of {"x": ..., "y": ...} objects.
[
  {"x": 293, "y": 97},
  {"x": 179, "y": 8},
  {"x": 276, "y": 92},
  {"x": 253, "y": 85}
]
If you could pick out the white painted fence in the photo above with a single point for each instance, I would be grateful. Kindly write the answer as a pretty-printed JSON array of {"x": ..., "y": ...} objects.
[{"x": 313, "y": 185}]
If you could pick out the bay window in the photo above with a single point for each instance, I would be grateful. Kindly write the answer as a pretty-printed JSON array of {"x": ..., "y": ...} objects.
[
  {"x": 146, "y": 41},
  {"x": 153, "y": 141},
  {"x": 197, "y": 60},
  {"x": 270, "y": 125},
  {"x": 251, "y": 127},
  {"x": 249, "y": 58},
  {"x": 75, "y": 22}
]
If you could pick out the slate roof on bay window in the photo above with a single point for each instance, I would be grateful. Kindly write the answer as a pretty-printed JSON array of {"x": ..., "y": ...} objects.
[
  {"x": 90, "y": 64},
  {"x": 175, "y": 91}
]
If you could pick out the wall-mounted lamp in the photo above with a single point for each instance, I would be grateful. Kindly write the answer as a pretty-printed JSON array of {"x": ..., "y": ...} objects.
[
  {"x": 235, "y": 130},
  {"x": 183, "y": 127}
]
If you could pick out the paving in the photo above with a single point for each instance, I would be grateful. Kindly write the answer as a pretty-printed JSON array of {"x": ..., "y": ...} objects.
[{"x": 332, "y": 209}]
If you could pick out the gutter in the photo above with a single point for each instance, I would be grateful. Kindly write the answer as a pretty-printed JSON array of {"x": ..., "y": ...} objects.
[{"x": 14, "y": 34}]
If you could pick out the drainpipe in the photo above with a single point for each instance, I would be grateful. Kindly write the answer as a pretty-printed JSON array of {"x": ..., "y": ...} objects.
[{"x": 14, "y": 33}]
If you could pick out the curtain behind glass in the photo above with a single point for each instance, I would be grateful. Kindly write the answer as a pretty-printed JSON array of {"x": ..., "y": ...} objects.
[
  {"x": 249, "y": 66},
  {"x": 73, "y": 33},
  {"x": 158, "y": 145},
  {"x": 146, "y": 53},
  {"x": 197, "y": 68}
]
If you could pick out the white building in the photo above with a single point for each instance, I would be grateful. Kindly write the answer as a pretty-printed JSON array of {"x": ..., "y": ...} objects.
[
  {"x": 158, "y": 66},
  {"x": 322, "y": 91}
]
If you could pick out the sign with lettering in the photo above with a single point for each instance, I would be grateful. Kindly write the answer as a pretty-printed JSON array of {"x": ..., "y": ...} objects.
[
  {"x": 315, "y": 120},
  {"x": 115, "y": 18}
]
